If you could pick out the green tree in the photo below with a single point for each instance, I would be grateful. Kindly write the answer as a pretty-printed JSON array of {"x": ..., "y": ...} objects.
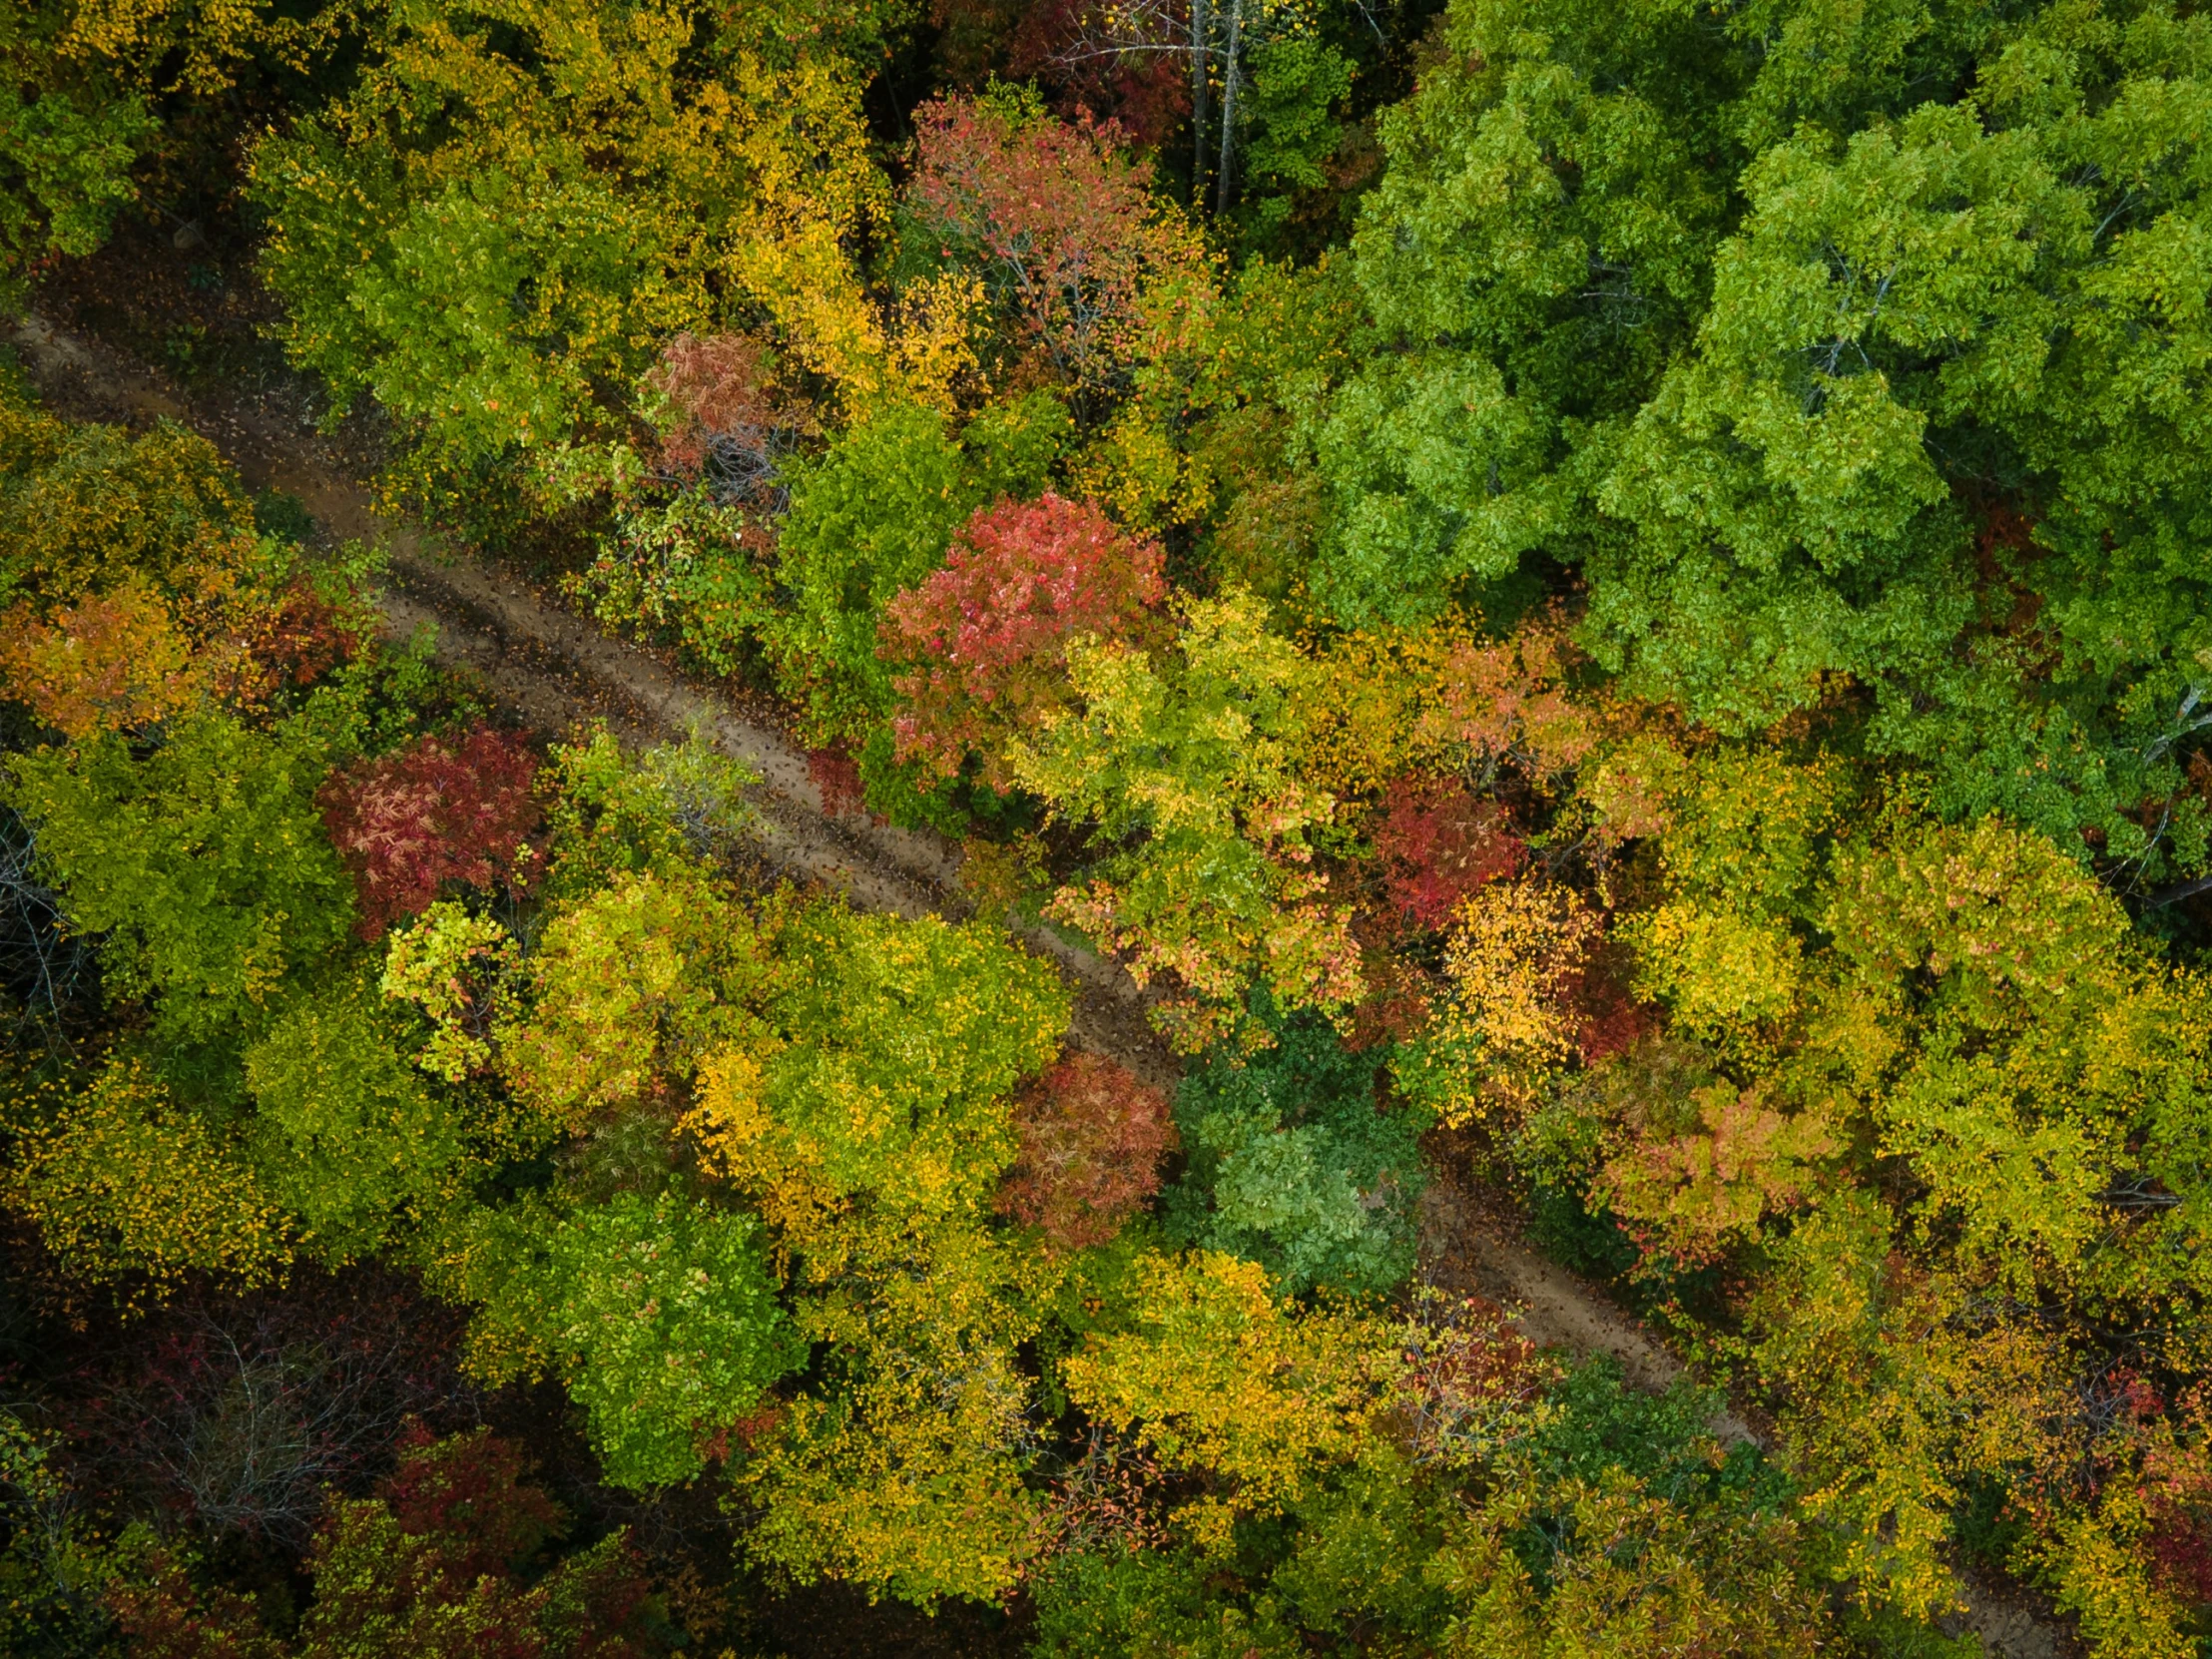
[
  {"x": 346, "y": 1133},
  {"x": 1293, "y": 1163},
  {"x": 872, "y": 1120},
  {"x": 203, "y": 862},
  {"x": 662, "y": 1319},
  {"x": 1824, "y": 344}
]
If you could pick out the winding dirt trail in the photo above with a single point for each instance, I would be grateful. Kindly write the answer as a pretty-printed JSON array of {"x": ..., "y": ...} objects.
[{"x": 555, "y": 670}]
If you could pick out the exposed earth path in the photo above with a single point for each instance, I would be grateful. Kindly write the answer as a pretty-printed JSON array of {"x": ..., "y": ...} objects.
[{"x": 556, "y": 670}]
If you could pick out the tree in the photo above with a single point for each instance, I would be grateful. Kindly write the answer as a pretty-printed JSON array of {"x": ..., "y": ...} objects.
[
  {"x": 1438, "y": 844},
  {"x": 901, "y": 1469},
  {"x": 115, "y": 663},
  {"x": 1092, "y": 1138},
  {"x": 1516, "y": 958},
  {"x": 1442, "y": 699},
  {"x": 1714, "y": 1183},
  {"x": 204, "y": 863},
  {"x": 633, "y": 987},
  {"x": 432, "y": 813},
  {"x": 659, "y": 1315},
  {"x": 236, "y": 1415},
  {"x": 1292, "y": 132},
  {"x": 1296, "y": 1162},
  {"x": 1193, "y": 750},
  {"x": 1633, "y": 1574},
  {"x": 990, "y": 630},
  {"x": 446, "y": 237},
  {"x": 344, "y": 1133},
  {"x": 71, "y": 124},
  {"x": 2044, "y": 1059},
  {"x": 50, "y": 1565},
  {"x": 1902, "y": 444},
  {"x": 1219, "y": 1376},
  {"x": 886, "y": 1055},
  {"x": 872, "y": 519},
  {"x": 661, "y": 812},
  {"x": 87, "y": 509},
  {"x": 128, "y": 1189},
  {"x": 871, "y": 1122},
  {"x": 1061, "y": 228},
  {"x": 443, "y": 1562},
  {"x": 457, "y": 969}
]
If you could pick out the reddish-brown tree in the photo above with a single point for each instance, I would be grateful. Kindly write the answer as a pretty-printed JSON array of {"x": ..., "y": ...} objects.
[
  {"x": 1061, "y": 224},
  {"x": 726, "y": 423},
  {"x": 1127, "y": 63},
  {"x": 991, "y": 629},
  {"x": 430, "y": 814},
  {"x": 299, "y": 639},
  {"x": 837, "y": 776},
  {"x": 1092, "y": 1138}
]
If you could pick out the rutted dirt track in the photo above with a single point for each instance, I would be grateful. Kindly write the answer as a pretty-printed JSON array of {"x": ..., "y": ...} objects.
[{"x": 555, "y": 670}]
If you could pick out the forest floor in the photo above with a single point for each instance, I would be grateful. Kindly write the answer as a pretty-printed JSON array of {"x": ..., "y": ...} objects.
[{"x": 557, "y": 671}]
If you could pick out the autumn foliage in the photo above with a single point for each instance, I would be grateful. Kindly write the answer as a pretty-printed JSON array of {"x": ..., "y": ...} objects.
[
  {"x": 1061, "y": 225},
  {"x": 991, "y": 629},
  {"x": 1092, "y": 1138},
  {"x": 1438, "y": 843},
  {"x": 724, "y": 421},
  {"x": 115, "y": 662},
  {"x": 441, "y": 1564},
  {"x": 432, "y": 814}
]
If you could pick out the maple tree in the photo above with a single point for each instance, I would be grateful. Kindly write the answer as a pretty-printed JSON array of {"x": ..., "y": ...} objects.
[
  {"x": 116, "y": 661},
  {"x": 431, "y": 815},
  {"x": 991, "y": 629},
  {"x": 1092, "y": 1138},
  {"x": 1057, "y": 222},
  {"x": 1438, "y": 843}
]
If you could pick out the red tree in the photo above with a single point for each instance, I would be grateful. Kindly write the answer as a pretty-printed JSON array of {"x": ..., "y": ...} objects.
[
  {"x": 432, "y": 813},
  {"x": 1438, "y": 844},
  {"x": 991, "y": 629},
  {"x": 1092, "y": 1138},
  {"x": 726, "y": 423},
  {"x": 1062, "y": 225},
  {"x": 295, "y": 640},
  {"x": 1127, "y": 63}
]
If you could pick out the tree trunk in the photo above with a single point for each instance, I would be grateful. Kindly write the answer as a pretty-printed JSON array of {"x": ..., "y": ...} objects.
[
  {"x": 1202, "y": 28},
  {"x": 1222, "y": 182}
]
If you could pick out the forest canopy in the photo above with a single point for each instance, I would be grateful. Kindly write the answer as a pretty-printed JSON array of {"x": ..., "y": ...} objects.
[{"x": 1601, "y": 613}]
